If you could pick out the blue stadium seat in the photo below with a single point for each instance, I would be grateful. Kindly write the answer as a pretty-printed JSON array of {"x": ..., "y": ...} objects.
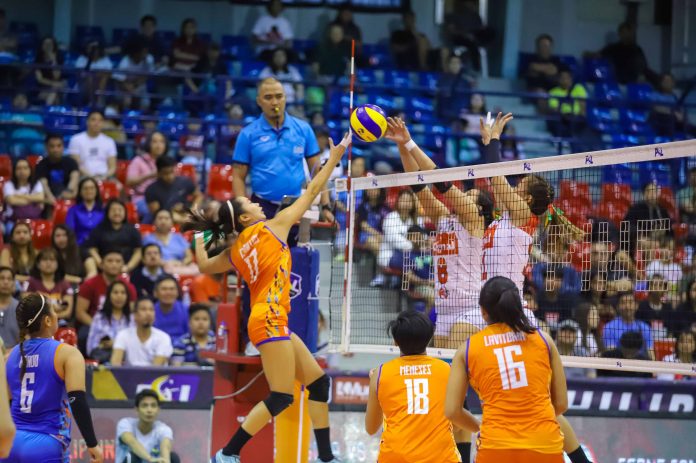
[
  {"x": 131, "y": 122},
  {"x": 622, "y": 140},
  {"x": 639, "y": 95},
  {"x": 617, "y": 173},
  {"x": 304, "y": 47},
  {"x": 172, "y": 123},
  {"x": 608, "y": 93},
  {"x": 237, "y": 46},
  {"x": 387, "y": 102},
  {"x": 167, "y": 38},
  {"x": 252, "y": 69},
  {"x": 206, "y": 37},
  {"x": 86, "y": 34},
  {"x": 120, "y": 34},
  {"x": 571, "y": 62},
  {"x": 339, "y": 104},
  {"x": 17, "y": 27},
  {"x": 210, "y": 126},
  {"x": 57, "y": 119},
  {"x": 598, "y": 70},
  {"x": 366, "y": 76},
  {"x": 429, "y": 80},
  {"x": 600, "y": 118},
  {"x": 421, "y": 104},
  {"x": 654, "y": 172},
  {"x": 27, "y": 40},
  {"x": 377, "y": 54},
  {"x": 523, "y": 60},
  {"x": 633, "y": 115},
  {"x": 397, "y": 79}
]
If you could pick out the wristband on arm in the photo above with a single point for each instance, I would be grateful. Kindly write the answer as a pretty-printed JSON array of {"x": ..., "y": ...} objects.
[
  {"x": 83, "y": 418},
  {"x": 491, "y": 151},
  {"x": 410, "y": 145}
]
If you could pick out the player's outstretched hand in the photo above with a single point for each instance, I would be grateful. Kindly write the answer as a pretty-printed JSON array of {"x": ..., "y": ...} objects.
[
  {"x": 492, "y": 132},
  {"x": 338, "y": 150},
  {"x": 95, "y": 455},
  {"x": 397, "y": 131}
]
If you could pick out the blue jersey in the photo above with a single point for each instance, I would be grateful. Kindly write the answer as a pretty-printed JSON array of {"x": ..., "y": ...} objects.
[{"x": 39, "y": 401}]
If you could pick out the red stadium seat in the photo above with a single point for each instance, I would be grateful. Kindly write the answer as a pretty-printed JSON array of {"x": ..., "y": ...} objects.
[
  {"x": 145, "y": 228},
  {"x": 67, "y": 335},
  {"x": 33, "y": 160},
  {"x": 41, "y": 231},
  {"x": 185, "y": 281},
  {"x": 663, "y": 348},
  {"x": 5, "y": 166},
  {"x": 580, "y": 252},
  {"x": 108, "y": 190},
  {"x": 578, "y": 191},
  {"x": 576, "y": 210},
  {"x": 132, "y": 213},
  {"x": 60, "y": 210},
  {"x": 187, "y": 170},
  {"x": 220, "y": 182},
  {"x": 669, "y": 202},
  {"x": 617, "y": 193},
  {"x": 122, "y": 170},
  {"x": 614, "y": 211}
]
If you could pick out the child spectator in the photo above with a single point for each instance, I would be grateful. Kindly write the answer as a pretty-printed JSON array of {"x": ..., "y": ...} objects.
[
  {"x": 141, "y": 344},
  {"x": 200, "y": 337},
  {"x": 287, "y": 74},
  {"x": 58, "y": 174},
  {"x": 151, "y": 270},
  {"x": 84, "y": 216},
  {"x": 176, "y": 251},
  {"x": 115, "y": 233},
  {"x": 142, "y": 170},
  {"x": 19, "y": 254},
  {"x": 24, "y": 196},
  {"x": 171, "y": 315},
  {"x": 145, "y": 439},
  {"x": 48, "y": 278},
  {"x": 49, "y": 76},
  {"x": 93, "y": 151},
  {"x": 64, "y": 242},
  {"x": 114, "y": 316},
  {"x": 188, "y": 49}
]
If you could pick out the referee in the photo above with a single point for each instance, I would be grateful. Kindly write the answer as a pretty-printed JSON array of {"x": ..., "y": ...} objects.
[{"x": 272, "y": 150}]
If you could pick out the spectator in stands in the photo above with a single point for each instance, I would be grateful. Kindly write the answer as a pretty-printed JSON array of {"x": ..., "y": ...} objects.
[
  {"x": 322, "y": 135},
  {"x": 453, "y": 89},
  {"x": 19, "y": 254},
  {"x": 630, "y": 347},
  {"x": 409, "y": 47},
  {"x": 567, "y": 100},
  {"x": 351, "y": 31},
  {"x": 647, "y": 209},
  {"x": 156, "y": 48},
  {"x": 666, "y": 118},
  {"x": 214, "y": 85},
  {"x": 626, "y": 321},
  {"x": 151, "y": 270},
  {"x": 627, "y": 57},
  {"x": 93, "y": 291},
  {"x": 176, "y": 250},
  {"x": 188, "y": 49},
  {"x": 206, "y": 289},
  {"x": 686, "y": 197},
  {"x": 587, "y": 316},
  {"x": 114, "y": 316},
  {"x": 49, "y": 76},
  {"x": 115, "y": 233},
  {"x": 139, "y": 62},
  {"x": 64, "y": 242},
  {"x": 88, "y": 212},
  {"x": 684, "y": 317},
  {"x": 684, "y": 352},
  {"x": 272, "y": 31},
  {"x": 264, "y": 160},
  {"x": 171, "y": 192},
  {"x": 556, "y": 302},
  {"x": 145, "y": 439},
  {"x": 25, "y": 131},
  {"x": 332, "y": 55},
  {"x": 371, "y": 213},
  {"x": 663, "y": 264},
  {"x": 93, "y": 151},
  {"x": 93, "y": 58},
  {"x": 464, "y": 28},
  {"x": 542, "y": 70},
  {"x": 395, "y": 229},
  {"x": 142, "y": 170},
  {"x": 8, "y": 41},
  {"x": 419, "y": 275},
  {"x": 567, "y": 336},
  {"x": 655, "y": 308},
  {"x": 48, "y": 278},
  {"x": 24, "y": 196},
  {"x": 141, "y": 343},
  {"x": 58, "y": 174},
  {"x": 288, "y": 74},
  {"x": 9, "y": 329},
  {"x": 170, "y": 312},
  {"x": 200, "y": 337}
]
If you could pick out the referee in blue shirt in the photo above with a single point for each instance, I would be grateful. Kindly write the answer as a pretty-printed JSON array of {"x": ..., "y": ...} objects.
[{"x": 272, "y": 150}]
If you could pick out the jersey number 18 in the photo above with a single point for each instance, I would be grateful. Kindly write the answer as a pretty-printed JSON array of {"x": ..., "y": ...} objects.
[{"x": 417, "y": 396}]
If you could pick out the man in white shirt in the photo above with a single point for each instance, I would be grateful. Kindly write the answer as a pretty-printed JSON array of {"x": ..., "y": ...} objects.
[
  {"x": 145, "y": 439},
  {"x": 142, "y": 345},
  {"x": 93, "y": 151},
  {"x": 272, "y": 31}
]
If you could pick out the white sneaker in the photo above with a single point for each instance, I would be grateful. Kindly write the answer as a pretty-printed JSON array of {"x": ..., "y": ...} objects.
[
  {"x": 251, "y": 351},
  {"x": 220, "y": 458}
]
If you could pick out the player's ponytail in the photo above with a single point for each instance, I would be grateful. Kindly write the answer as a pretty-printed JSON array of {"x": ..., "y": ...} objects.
[
  {"x": 487, "y": 207},
  {"x": 30, "y": 312},
  {"x": 500, "y": 298},
  {"x": 219, "y": 225}
]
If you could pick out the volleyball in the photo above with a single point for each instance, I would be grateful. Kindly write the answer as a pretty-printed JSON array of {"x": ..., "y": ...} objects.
[{"x": 368, "y": 122}]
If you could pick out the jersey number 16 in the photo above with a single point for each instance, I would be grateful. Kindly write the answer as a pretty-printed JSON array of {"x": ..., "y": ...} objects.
[{"x": 513, "y": 374}]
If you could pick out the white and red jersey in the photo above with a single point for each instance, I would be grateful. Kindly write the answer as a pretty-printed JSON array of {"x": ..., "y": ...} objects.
[
  {"x": 506, "y": 249},
  {"x": 457, "y": 261}
]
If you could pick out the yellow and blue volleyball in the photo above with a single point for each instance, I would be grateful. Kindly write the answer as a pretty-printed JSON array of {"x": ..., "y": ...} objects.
[{"x": 368, "y": 122}]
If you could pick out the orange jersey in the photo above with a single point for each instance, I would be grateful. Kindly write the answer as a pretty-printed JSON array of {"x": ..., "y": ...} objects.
[
  {"x": 511, "y": 372},
  {"x": 264, "y": 262},
  {"x": 411, "y": 392}
]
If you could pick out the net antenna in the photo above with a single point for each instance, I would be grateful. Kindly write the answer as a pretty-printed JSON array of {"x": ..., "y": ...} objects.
[{"x": 597, "y": 257}]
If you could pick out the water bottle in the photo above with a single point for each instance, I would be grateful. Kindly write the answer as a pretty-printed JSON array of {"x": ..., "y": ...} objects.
[{"x": 222, "y": 338}]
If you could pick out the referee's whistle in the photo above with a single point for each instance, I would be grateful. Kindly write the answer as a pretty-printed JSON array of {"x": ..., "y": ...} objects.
[{"x": 276, "y": 109}]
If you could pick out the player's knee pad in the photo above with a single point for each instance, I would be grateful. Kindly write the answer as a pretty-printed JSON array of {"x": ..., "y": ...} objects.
[
  {"x": 276, "y": 402},
  {"x": 320, "y": 390}
]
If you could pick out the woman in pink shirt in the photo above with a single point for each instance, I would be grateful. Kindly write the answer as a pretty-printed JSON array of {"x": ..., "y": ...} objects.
[{"x": 142, "y": 170}]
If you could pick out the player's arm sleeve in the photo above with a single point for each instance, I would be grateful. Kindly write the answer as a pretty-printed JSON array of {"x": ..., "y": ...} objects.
[
  {"x": 491, "y": 152},
  {"x": 242, "y": 149}
]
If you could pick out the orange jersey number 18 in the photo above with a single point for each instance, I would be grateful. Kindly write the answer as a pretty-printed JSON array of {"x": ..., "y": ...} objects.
[{"x": 417, "y": 396}]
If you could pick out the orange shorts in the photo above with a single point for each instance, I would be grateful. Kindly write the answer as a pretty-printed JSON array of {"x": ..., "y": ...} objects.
[
  {"x": 516, "y": 456},
  {"x": 268, "y": 322}
]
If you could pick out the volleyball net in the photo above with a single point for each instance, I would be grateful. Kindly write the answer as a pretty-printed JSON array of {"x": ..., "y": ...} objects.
[{"x": 606, "y": 268}]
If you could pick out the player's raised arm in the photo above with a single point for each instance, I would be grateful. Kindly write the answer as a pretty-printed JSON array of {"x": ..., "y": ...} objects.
[{"x": 457, "y": 386}]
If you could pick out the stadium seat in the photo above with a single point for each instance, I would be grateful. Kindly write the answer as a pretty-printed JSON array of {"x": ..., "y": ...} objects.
[
  {"x": 5, "y": 166},
  {"x": 598, "y": 70},
  {"x": 86, "y": 34},
  {"x": 23, "y": 26},
  {"x": 41, "y": 231},
  {"x": 252, "y": 69},
  {"x": 655, "y": 172},
  {"x": 120, "y": 34},
  {"x": 60, "y": 210},
  {"x": 639, "y": 95},
  {"x": 613, "y": 211},
  {"x": 130, "y": 122},
  {"x": 395, "y": 79},
  {"x": 237, "y": 46},
  {"x": 663, "y": 348},
  {"x": 366, "y": 76},
  {"x": 58, "y": 118},
  {"x": 144, "y": 228},
  {"x": 621, "y": 140},
  {"x": 108, "y": 190},
  {"x": 608, "y": 93},
  {"x": 429, "y": 80},
  {"x": 571, "y": 189},
  {"x": 33, "y": 160},
  {"x": 220, "y": 182},
  {"x": 187, "y": 170},
  {"x": 576, "y": 210},
  {"x": 66, "y": 334},
  {"x": 669, "y": 202},
  {"x": 172, "y": 123},
  {"x": 617, "y": 193},
  {"x": 132, "y": 213},
  {"x": 122, "y": 170},
  {"x": 166, "y": 37}
]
